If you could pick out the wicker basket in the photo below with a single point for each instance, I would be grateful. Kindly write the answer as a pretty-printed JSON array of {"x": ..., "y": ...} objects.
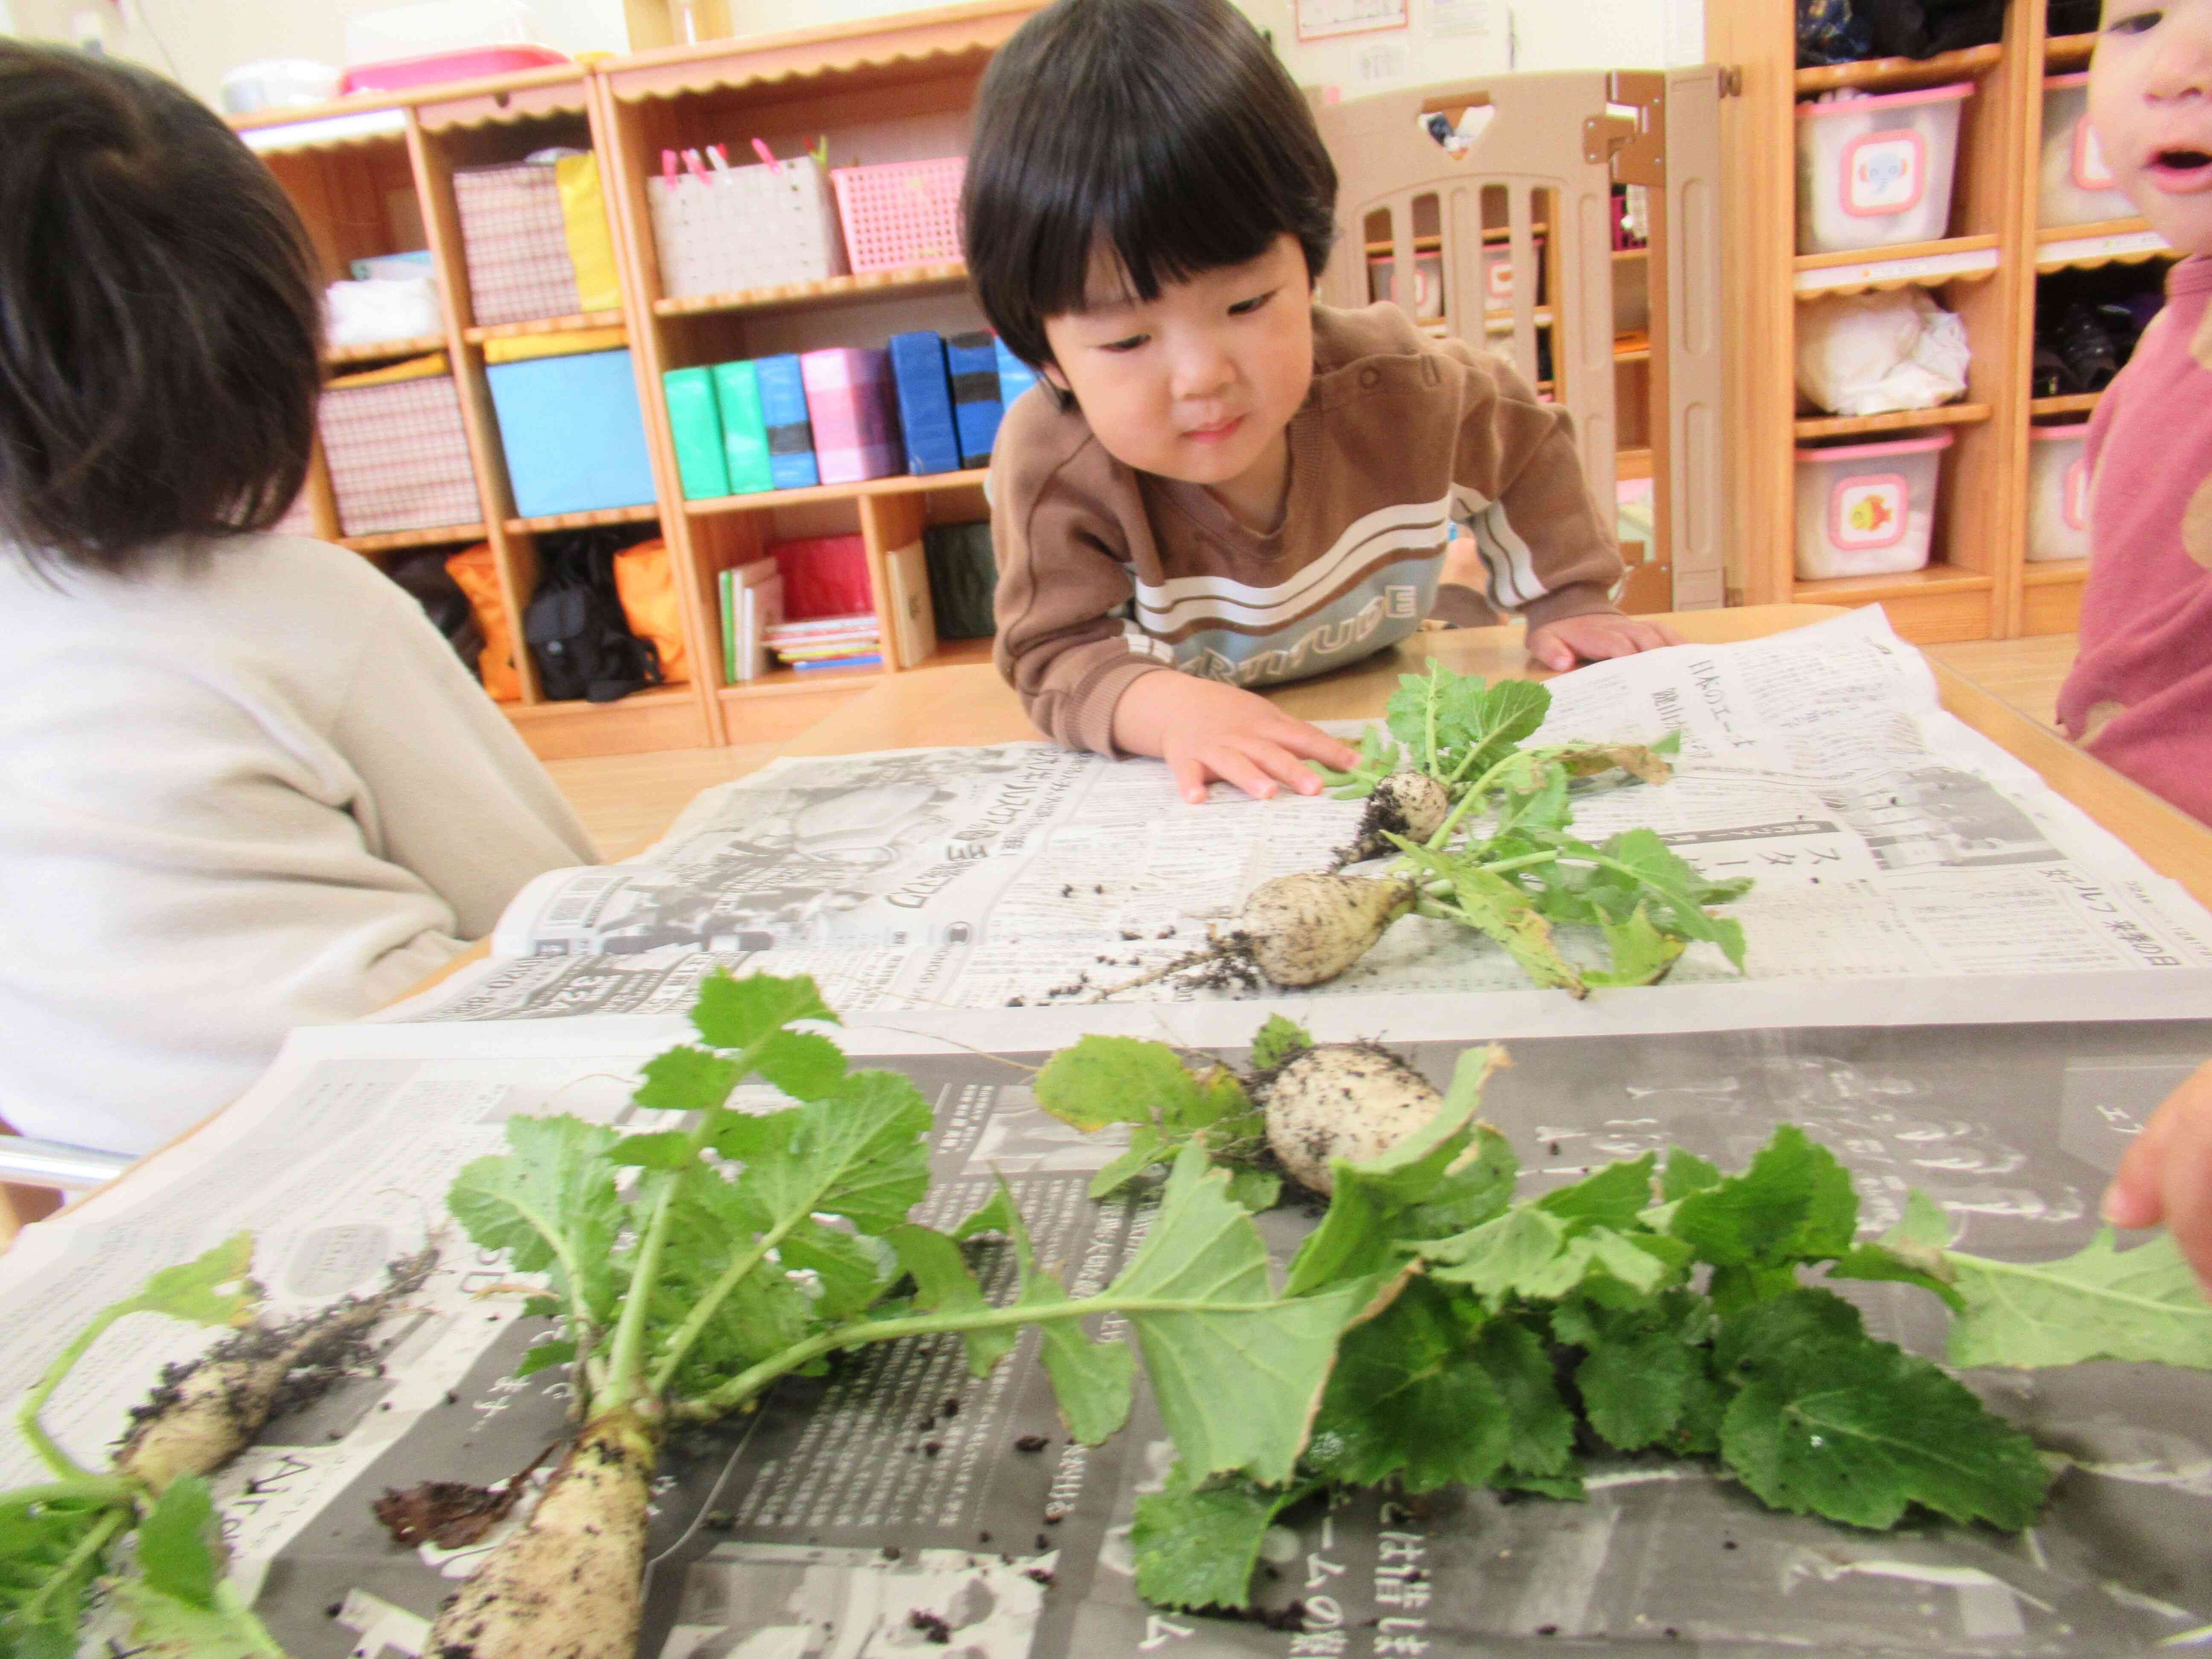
[
  {"x": 732, "y": 229},
  {"x": 901, "y": 213},
  {"x": 516, "y": 243},
  {"x": 399, "y": 456}
]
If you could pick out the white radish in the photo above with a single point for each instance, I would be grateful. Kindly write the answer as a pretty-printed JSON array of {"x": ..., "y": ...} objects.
[
  {"x": 1303, "y": 929},
  {"x": 1409, "y": 803},
  {"x": 566, "y": 1585},
  {"x": 1350, "y": 1100}
]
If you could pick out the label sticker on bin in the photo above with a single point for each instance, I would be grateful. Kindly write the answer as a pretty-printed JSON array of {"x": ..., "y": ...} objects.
[
  {"x": 2090, "y": 172},
  {"x": 2074, "y": 495},
  {"x": 1885, "y": 172},
  {"x": 1867, "y": 510}
]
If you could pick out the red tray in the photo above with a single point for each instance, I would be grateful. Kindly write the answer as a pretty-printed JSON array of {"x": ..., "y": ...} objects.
[{"x": 475, "y": 64}]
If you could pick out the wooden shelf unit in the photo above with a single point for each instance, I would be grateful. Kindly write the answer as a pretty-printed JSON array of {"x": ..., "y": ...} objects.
[
  {"x": 373, "y": 175},
  {"x": 1904, "y": 419},
  {"x": 1979, "y": 584}
]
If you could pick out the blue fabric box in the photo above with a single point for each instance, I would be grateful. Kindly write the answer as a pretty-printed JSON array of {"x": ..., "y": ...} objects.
[
  {"x": 1015, "y": 376},
  {"x": 925, "y": 400},
  {"x": 574, "y": 433}
]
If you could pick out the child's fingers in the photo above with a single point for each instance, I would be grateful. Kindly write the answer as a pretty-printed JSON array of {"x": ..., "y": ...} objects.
[
  {"x": 1311, "y": 743},
  {"x": 1234, "y": 768},
  {"x": 2166, "y": 1175},
  {"x": 1285, "y": 768},
  {"x": 1190, "y": 777}
]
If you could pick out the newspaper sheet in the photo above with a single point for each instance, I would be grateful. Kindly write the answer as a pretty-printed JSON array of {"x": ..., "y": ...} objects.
[
  {"x": 1888, "y": 842},
  {"x": 898, "y": 1504}
]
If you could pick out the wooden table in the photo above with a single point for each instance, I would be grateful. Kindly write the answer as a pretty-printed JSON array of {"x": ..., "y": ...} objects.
[{"x": 931, "y": 707}]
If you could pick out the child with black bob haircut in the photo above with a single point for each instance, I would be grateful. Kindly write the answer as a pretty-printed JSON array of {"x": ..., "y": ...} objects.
[
  {"x": 247, "y": 785},
  {"x": 1219, "y": 475}
]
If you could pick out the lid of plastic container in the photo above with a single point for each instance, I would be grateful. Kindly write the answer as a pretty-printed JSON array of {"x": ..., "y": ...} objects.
[
  {"x": 2072, "y": 429},
  {"x": 2078, "y": 78},
  {"x": 1867, "y": 452},
  {"x": 1887, "y": 100}
]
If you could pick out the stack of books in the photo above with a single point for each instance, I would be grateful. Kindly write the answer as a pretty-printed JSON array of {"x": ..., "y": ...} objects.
[{"x": 854, "y": 642}]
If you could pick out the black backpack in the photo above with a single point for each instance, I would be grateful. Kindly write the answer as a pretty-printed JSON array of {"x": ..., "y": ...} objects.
[
  {"x": 575, "y": 628},
  {"x": 423, "y": 574}
]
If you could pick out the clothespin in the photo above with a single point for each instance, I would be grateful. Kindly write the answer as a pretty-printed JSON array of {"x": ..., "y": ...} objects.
[
  {"x": 698, "y": 167},
  {"x": 668, "y": 167},
  {"x": 767, "y": 155},
  {"x": 820, "y": 152}
]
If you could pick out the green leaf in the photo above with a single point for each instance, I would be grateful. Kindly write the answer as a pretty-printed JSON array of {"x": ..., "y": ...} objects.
[
  {"x": 1687, "y": 1173},
  {"x": 1196, "y": 1548},
  {"x": 2099, "y": 1303},
  {"x": 1514, "y": 1359},
  {"x": 1794, "y": 1204},
  {"x": 1495, "y": 907},
  {"x": 1635, "y": 1377},
  {"x": 1586, "y": 760},
  {"x": 1640, "y": 953},
  {"x": 168, "y": 1628},
  {"x": 551, "y": 1205},
  {"x": 995, "y": 1214},
  {"x": 1611, "y": 1197},
  {"x": 1679, "y": 892},
  {"x": 685, "y": 1079},
  {"x": 853, "y": 1269},
  {"x": 1091, "y": 1380},
  {"x": 1478, "y": 725},
  {"x": 666, "y": 1149},
  {"x": 804, "y": 1065},
  {"x": 1370, "y": 1201},
  {"x": 1858, "y": 1431},
  {"x": 1406, "y": 1400},
  {"x": 1534, "y": 812},
  {"x": 543, "y": 1356},
  {"x": 1276, "y": 1040},
  {"x": 180, "y": 1554},
  {"x": 1874, "y": 1261},
  {"x": 1117, "y": 1079},
  {"x": 1533, "y": 1253},
  {"x": 738, "y": 1013},
  {"x": 1255, "y": 1189},
  {"x": 41, "y": 1592},
  {"x": 1565, "y": 1488},
  {"x": 859, "y": 1153},
  {"x": 1197, "y": 1294},
  {"x": 1476, "y": 1190},
  {"x": 1807, "y": 1315},
  {"x": 1146, "y": 1149},
  {"x": 943, "y": 1284},
  {"x": 193, "y": 1291}
]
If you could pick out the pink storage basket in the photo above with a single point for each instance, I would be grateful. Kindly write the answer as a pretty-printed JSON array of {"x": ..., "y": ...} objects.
[{"x": 901, "y": 213}]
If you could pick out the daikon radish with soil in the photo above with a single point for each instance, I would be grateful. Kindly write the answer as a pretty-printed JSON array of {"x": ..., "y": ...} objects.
[{"x": 1478, "y": 826}]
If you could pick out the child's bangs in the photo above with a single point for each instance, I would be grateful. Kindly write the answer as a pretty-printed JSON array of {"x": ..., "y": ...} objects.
[{"x": 1170, "y": 213}]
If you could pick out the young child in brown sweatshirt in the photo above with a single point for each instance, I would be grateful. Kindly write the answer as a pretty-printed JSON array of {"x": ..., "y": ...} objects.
[{"x": 1219, "y": 475}]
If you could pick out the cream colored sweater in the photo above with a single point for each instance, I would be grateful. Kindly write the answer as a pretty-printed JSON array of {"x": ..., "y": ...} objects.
[{"x": 235, "y": 798}]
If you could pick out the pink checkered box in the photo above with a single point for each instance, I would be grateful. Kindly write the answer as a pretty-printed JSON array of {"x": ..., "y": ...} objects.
[{"x": 850, "y": 403}]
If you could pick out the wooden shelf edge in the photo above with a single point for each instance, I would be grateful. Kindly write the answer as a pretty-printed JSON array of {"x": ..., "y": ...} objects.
[
  {"x": 1967, "y": 63},
  {"x": 1871, "y": 590},
  {"x": 2067, "y": 51},
  {"x": 820, "y": 290},
  {"x": 658, "y": 696},
  {"x": 1881, "y": 256},
  {"x": 582, "y": 319},
  {"x": 1837, "y": 426},
  {"x": 2071, "y": 403},
  {"x": 2045, "y": 234},
  {"x": 2052, "y": 572},
  {"x": 369, "y": 351},
  {"x": 555, "y": 521},
  {"x": 390, "y": 540},
  {"x": 899, "y": 484},
  {"x": 785, "y": 682}
]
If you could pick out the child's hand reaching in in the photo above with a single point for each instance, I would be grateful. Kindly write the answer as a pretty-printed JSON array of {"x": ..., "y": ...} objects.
[
  {"x": 1595, "y": 637},
  {"x": 2166, "y": 1175},
  {"x": 1206, "y": 730}
]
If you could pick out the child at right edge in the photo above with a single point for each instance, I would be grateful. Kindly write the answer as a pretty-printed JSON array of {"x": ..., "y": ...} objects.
[{"x": 2140, "y": 695}]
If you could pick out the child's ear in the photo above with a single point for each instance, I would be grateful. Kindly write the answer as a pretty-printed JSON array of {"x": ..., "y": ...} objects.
[{"x": 1050, "y": 371}]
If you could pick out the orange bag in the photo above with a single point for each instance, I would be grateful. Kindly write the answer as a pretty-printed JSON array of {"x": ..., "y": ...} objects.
[
  {"x": 473, "y": 572},
  {"x": 645, "y": 581}
]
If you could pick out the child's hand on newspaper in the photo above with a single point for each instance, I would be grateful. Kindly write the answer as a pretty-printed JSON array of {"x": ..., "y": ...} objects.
[
  {"x": 1595, "y": 637},
  {"x": 1206, "y": 730},
  {"x": 2166, "y": 1175}
]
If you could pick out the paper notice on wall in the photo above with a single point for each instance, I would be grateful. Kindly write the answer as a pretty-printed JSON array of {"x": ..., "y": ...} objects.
[
  {"x": 1319, "y": 18},
  {"x": 1450, "y": 19}
]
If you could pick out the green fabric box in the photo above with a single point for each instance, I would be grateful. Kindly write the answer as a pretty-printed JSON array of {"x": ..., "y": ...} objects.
[
  {"x": 695, "y": 420},
  {"x": 963, "y": 578},
  {"x": 745, "y": 431}
]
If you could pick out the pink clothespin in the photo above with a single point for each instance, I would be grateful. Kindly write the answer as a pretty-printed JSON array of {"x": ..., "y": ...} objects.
[
  {"x": 720, "y": 157},
  {"x": 668, "y": 167},
  {"x": 698, "y": 166},
  {"x": 768, "y": 155}
]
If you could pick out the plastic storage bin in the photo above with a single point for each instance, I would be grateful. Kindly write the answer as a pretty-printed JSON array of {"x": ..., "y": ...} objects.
[
  {"x": 2077, "y": 187},
  {"x": 1866, "y": 509},
  {"x": 574, "y": 433},
  {"x": 1875, "y": 172},
  {"x": 724, "y": 230},
  {"x": 2058, "y": 492},
  {"x": 901, "y": 213}
]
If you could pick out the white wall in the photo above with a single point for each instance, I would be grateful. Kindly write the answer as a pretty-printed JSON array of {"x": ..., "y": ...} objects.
[{"x": 198, "y": 40}]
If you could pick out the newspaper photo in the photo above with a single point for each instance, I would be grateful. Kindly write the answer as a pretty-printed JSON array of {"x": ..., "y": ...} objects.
[
  {"x": 899, "y": 1505},
  {"x": 1885, "y": 839}
]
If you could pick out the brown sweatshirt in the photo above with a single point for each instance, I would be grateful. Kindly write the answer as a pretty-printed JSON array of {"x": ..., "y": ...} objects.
[{"x": 1107, "y": 574}]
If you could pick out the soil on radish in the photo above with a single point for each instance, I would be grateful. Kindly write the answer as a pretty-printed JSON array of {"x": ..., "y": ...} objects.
[{"x": 1384, "y": 819}]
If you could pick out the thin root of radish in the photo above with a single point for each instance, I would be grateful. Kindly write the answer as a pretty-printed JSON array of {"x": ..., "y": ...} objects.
[{"x": 203, "y": 1414}]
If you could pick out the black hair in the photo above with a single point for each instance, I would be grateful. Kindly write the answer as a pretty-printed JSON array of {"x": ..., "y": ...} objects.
[
  {"x": 160, "y": 317},
  {"x": 1165, "y": 128}
]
